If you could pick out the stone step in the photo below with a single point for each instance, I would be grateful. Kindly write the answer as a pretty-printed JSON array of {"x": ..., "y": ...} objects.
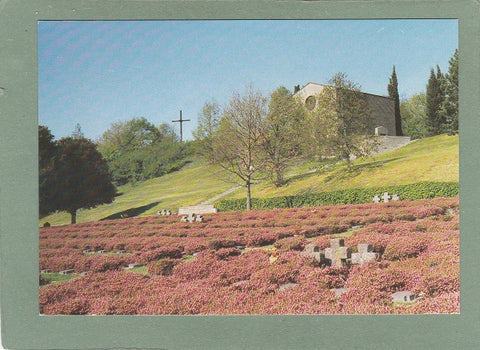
[{"x": 388, "y": 143}]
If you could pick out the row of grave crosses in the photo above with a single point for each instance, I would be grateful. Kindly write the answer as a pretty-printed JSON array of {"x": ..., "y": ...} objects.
[
  {"x": 338, "y": 255},
  {"x": 385, "y": 198},
  {"x": 192, "y": 218},
  {"x": 164, "y": 212}
]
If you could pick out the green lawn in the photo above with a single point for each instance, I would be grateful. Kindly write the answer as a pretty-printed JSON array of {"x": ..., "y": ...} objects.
[
  {"x": 58, "y": 278},
  {"x": 430, "y": 159},
  {"x": 193, "y": 184}
]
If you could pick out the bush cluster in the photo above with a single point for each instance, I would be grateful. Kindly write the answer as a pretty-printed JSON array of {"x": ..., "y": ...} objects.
[{"x": 420, "y": 190}]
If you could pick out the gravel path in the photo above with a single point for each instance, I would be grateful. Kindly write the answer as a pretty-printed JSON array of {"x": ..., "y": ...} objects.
[{"x": 218, "y": 196}]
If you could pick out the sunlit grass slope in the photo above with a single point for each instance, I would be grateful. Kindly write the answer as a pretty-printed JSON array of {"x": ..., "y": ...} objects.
[
  {"x": 193, "y": 184},
  {"x": 429, "y": 159}
]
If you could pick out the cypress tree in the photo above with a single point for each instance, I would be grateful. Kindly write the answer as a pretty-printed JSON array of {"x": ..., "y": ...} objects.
[
  {"x": 436, "y": 120},
  {"x": 451, "y": 95},
  {"x": 393, "y": 93}
]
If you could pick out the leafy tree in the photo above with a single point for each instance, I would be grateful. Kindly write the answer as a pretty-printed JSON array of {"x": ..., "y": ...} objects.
[
  {"x": 283, "y": 131},
  {"x": 239, "y": 140},
  {"x": 136, "y": 150},
  {"x": 81, "y": 177},
  {"x": 450, "y": 103},
  {"x": 413, "y": 111},
  {"x": 436, "y": 118},
  {"x": 46, "y": 152},
  {"x": 393, "y": 93},
  {"x": 208, "y": 122},
  {"x": 340, "y": 121}
]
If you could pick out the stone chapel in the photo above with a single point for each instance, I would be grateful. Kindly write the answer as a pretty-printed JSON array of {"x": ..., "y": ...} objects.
[{"x": 382, "y": 108}]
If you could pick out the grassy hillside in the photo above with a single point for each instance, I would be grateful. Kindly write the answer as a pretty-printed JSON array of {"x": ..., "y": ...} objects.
[
  {"x": 193, "y": 184},
  {"x": 430, "y": 159}
]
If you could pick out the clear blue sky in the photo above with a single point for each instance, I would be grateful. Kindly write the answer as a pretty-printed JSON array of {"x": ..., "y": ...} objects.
[{"x": 97, "y": 73}]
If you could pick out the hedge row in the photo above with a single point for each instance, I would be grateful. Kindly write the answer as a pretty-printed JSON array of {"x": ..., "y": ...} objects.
[{"x": 420, "y": 190}]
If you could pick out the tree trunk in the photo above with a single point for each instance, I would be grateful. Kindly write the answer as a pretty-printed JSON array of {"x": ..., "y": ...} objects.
[
  {"x": 73, "y": 213},
  {"x": 279, "y": 181},
  {"x": 249, "y": 195}
]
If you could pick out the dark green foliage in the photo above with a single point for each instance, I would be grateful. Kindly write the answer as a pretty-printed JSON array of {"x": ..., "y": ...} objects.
[
  {"x": 450, "y": 104},
  {"x": 81, "y": 177},
  {"x": 46, "y": 152},
  {"x": 162, "y": 267},
  {"x": 393, "y": 93},
  {"x": 436, "y": 118},
  {"x": 136, "y": 150},
  {"x": 420, "y": 190}
]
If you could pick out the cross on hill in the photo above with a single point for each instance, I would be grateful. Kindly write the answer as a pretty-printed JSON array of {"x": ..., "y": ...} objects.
[{"x": 181, "y": 121}]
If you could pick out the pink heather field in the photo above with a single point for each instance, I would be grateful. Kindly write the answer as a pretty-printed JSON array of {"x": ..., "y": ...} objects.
[{"x": 251, "y": 262}]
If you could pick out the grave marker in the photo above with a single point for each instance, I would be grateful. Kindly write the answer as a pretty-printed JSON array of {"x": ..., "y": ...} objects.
[
  {"x": 405, "y": 296},
  {"x": 365, "y": 253},
  {"x": 286, "y": 286},
  {"x": 313, "y": 251},
  {"x": 132, "y": 265},
  {"x": 197, "y": 209},
  {"x": 385, "y": 197},
  {"x": 376, "y": 199},
  {"x": 337, "y": 253}
]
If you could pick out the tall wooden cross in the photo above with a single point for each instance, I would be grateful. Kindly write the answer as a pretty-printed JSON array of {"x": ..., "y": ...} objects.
[{"x": 181, "y": 121}]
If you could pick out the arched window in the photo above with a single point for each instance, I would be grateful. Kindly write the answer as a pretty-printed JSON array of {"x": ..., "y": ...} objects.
[{"x": 310, "y": 102}]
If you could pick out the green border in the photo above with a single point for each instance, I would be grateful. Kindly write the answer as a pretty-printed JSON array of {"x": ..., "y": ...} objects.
[{"x": 23, "y": 328}]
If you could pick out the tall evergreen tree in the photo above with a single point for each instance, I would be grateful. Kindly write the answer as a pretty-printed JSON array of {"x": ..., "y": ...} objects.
[
  {"x": 393, "y": 93},
  {"x": 436, "y": 118},
  {"x": 451, "y": 95}
]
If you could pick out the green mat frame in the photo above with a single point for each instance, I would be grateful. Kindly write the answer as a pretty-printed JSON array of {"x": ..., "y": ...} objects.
[{"x": 21, "y": 325}]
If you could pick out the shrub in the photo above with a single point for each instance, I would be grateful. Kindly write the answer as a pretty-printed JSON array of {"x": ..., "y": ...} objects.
[
  {"x": 162, "y": 267},
  {"x": 290, "y": 243},
  {"x": 420, "y": 190}
]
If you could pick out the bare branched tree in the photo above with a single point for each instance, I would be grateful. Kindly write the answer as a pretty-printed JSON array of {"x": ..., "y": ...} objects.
[{"x": 238, "y": 143}]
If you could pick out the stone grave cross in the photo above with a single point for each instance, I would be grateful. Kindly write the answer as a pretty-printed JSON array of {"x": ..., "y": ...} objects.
[
  {"x": 385, "y": 197},
  {"x": 338, "y": 253},
  {"x": 376, "y": 199},
  {"x": 365, "y": 253}
]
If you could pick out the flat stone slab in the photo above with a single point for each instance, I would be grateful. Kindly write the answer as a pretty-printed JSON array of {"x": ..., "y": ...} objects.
[
  {"x": 132, "y": 265},
  {"x": 240, "y": 283},
  {"x": 405, "y": 296},
  {"x": 66, "y": 272},
  {"x": 197, "y": 209},
  {"x": 339, "y": 291},
  {"x": 287, "y": 286}
]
